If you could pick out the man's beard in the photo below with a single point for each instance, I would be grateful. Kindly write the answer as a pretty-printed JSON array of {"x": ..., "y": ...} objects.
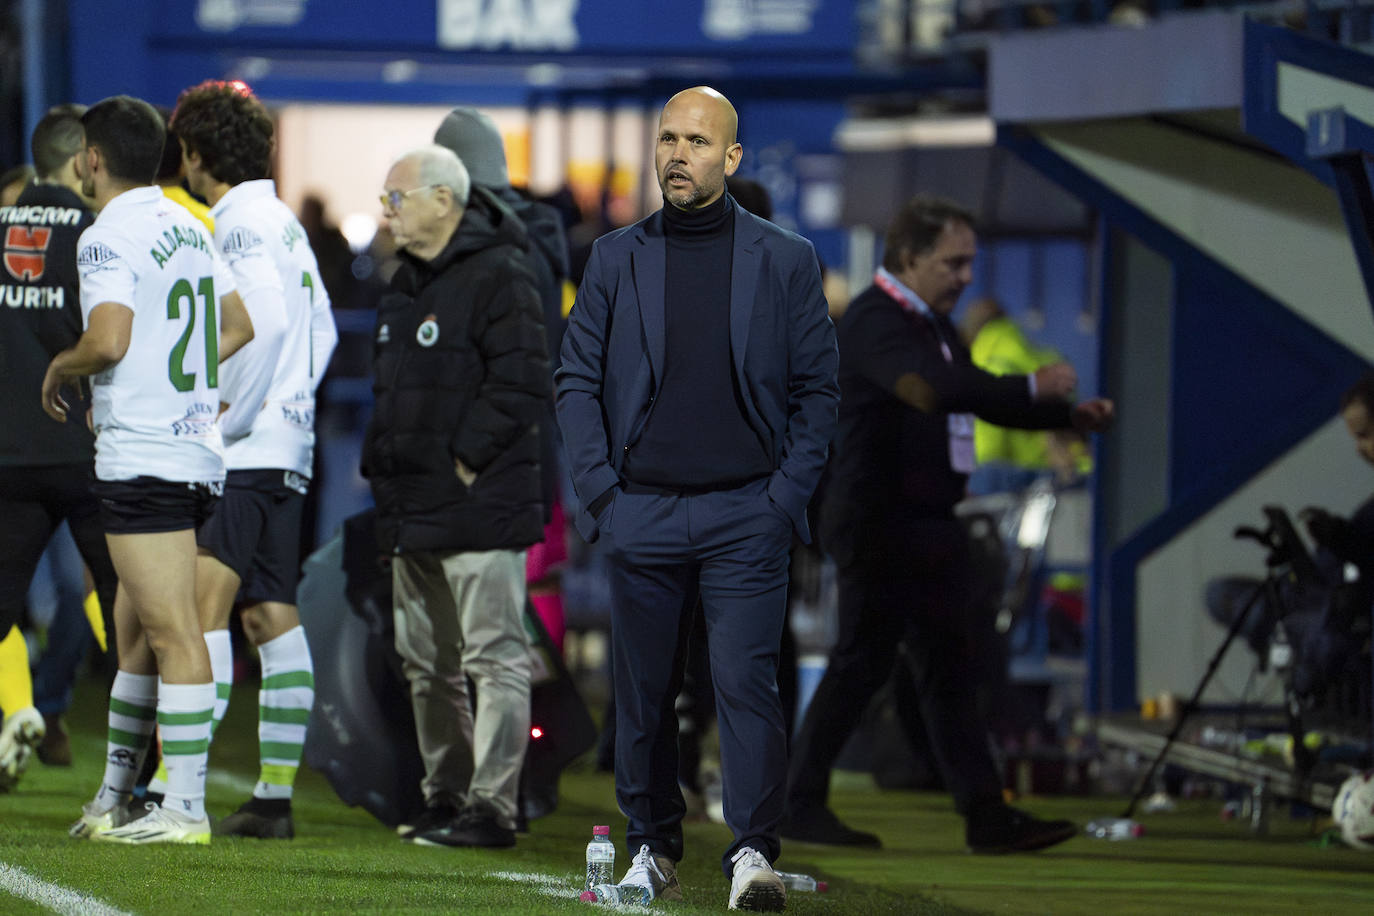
[{"x": 688, "y": 199}]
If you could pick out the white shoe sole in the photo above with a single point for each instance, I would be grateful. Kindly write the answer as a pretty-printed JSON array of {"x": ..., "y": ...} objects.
[
  {"x": 761, "y": 897},
  {"x": 21, "y": 735},
  {"x": 139, "y": 833}
]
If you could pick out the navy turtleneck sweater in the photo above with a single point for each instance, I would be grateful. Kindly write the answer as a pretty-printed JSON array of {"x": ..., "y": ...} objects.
[{"x": 697, "y": 435}]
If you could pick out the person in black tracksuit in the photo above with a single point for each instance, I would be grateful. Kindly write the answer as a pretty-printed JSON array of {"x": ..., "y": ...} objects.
[
  {"x": 461, "y": 382},
  {"x": 900, "y": 462},
  {"x": 46, "y": 467}
]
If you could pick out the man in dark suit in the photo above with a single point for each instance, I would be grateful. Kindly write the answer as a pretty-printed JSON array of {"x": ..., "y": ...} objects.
[
  {"x": 902, "y": 457},
  {"x": 697, "y": 396}
]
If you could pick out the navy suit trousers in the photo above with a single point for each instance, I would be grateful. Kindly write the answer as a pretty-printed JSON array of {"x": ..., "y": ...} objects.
[{"x": 729, "y": 548}]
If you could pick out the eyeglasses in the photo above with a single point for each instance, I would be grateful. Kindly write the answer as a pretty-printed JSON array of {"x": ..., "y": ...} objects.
[{"x": 392, "y": 200}]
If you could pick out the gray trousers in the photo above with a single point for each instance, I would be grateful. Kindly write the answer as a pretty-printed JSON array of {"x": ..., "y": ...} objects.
[{"x": 461, "y": 615}]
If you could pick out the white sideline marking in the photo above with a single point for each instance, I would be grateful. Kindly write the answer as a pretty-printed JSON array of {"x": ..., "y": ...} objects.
[
  {"x": 561, "y": 887},
  {"x": 20, "y": 883}
]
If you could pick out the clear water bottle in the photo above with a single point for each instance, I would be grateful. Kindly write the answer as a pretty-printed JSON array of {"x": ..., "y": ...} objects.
[
  {"x": 1115, "y": 828},
  {"x": 600, "y": 859},
  {"x": 795, "y": 881},
  {"x": 615, "y": 894}
]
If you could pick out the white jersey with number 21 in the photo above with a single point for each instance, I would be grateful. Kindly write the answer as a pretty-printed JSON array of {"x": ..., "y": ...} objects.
[{"x": 155, "y": 410}]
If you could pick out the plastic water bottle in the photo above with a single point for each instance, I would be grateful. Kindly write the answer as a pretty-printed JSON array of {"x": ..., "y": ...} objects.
[
  {"x": 794, "y": 881},
  {"x": 600, "y": 859},
  {"x": 615, "y": 894},
  {"x": 1115, "y": 828}
]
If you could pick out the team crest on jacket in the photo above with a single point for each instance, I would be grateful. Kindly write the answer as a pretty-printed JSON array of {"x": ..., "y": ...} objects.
[
  {"x": 384, "y": 334},
  {"x": 427, "y": 334}
]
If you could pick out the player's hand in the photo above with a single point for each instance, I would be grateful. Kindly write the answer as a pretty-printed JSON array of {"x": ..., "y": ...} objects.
[
  {"x": 1093, "y": 416},
  {"x": 53, "y": 403},
  {"x": 1055, "y": 382}
]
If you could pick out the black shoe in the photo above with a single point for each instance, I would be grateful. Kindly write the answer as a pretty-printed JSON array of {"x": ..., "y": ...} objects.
[
  {"x": 434, "y": 816},
  {"x": 475, "y": 826},
  {"x": 265, "y": 819},
  {"x": 1002, "y": 829},
  {"x": 56, "y": 748},
  {"x": 820, "y": 825}
]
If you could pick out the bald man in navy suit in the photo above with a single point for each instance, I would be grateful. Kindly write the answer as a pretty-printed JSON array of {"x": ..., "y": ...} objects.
[{"x": 697, "y": 396}]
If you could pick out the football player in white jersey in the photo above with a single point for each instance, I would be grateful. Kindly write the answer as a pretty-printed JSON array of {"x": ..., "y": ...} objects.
[
  {"x": 250, "y": 546},
  {"x": 160, "y": 313}
]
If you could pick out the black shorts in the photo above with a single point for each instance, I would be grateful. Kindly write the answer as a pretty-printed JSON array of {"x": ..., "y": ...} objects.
[
  {"x": 150, "y": 505},
  {"x": 255, "y": 531}
]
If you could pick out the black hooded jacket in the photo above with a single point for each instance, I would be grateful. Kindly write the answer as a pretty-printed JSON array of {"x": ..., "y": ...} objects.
[
  {"x": 549, "y": 261},
  {"x": 460, "y": 372}
]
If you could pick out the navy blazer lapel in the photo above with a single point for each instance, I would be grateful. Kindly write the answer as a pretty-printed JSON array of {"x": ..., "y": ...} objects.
[
  {"x": 744, "y": 281},
  {"x": 649, "y": 261}
]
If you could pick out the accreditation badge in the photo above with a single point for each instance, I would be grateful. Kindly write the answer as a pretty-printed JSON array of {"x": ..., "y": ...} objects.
[{"x": 961, "y": 454}]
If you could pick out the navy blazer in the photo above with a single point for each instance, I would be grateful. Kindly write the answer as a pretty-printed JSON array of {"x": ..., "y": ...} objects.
[{"x": 782, "y": 345}]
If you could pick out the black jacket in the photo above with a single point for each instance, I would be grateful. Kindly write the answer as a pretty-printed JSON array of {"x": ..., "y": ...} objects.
[
  {"x": 460, "y": 372},
  {"x": 890, "y": 461},
  {"x": 40, "y": 316},
  {"x": 549, "y": 261}
]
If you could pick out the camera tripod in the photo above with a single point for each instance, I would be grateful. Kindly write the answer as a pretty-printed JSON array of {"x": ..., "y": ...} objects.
[{"x": 1287, "y": 560}]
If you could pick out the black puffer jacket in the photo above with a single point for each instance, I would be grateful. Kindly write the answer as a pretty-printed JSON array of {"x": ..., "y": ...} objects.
[{"x": 460, "y": 372}]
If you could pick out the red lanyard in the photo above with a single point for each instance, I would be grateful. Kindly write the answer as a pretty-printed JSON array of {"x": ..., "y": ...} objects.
[{"x": 885, "y": 282}]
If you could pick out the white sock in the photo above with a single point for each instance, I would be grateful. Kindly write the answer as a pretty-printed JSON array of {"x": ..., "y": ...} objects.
[
  {"x": 133, "y": 715},
  {"x": 288, "y": 693},
  {"x": 221, "y": 650},
  {"x": 183, "y": 714}
]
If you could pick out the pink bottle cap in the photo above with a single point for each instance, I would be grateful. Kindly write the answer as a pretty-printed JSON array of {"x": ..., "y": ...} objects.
[
  {"x": 822, "y": 887},
  {"x": 587, "y": 897}
]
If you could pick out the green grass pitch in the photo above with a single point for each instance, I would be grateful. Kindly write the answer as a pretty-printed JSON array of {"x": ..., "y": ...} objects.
[{"x": 344, "y": 861}]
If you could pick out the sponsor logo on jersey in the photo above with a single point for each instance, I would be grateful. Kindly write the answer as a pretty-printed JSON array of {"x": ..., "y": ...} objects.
[
  {"x": 95, "y": 256},
  {"x": 427, "y": 334},
  {"x": 33, "y": 297},
  {"x": 198, "y": 422},
  {"x": 300, "y": 414},
  {"x": 46, "y": 216},
  {"x": 240, "y": 240},
  {"x": 26, "y": 251}
]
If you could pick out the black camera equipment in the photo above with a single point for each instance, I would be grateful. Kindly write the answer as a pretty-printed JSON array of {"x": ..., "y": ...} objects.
[{"x": 1287, "y": 561}]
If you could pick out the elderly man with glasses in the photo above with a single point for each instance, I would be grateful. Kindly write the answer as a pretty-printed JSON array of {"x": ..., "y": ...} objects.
[{"x": 452, "y": 452}]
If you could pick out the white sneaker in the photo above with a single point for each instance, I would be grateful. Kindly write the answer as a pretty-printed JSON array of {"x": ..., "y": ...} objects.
[
  {"x": 22, "y": 732},
  {"x": 657, "y": 873},
  {"x": 95, "y": 820},
  {"x": 159, "y": 825},
  {"x": 755, "y": 886}
]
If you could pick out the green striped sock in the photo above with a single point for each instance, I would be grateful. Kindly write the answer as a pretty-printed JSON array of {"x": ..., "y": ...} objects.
[
  {"x": 221, "y": 650},
  {"x": 183, "y": 713},
  {"x": 288, "y": 693},
  {"x": 133, "y": 714}
]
